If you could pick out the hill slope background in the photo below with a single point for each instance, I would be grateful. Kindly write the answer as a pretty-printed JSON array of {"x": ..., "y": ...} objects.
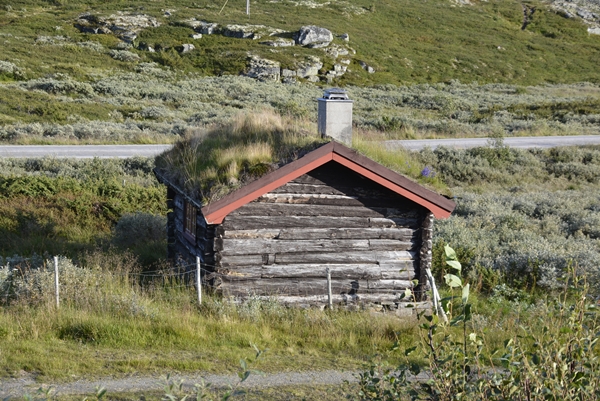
[{"x": 483, "y": 67}]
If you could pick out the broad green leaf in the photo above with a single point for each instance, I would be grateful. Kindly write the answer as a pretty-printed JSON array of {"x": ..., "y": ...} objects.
[
  {"x": 465, "y": 293},
  {"x": 455, "y": 264},
  {"x": 450, "y": 254},
  {"x": 453, "y": 281}
]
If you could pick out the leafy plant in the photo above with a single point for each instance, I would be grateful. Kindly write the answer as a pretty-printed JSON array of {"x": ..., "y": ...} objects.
[{"x": 559, "y": 362}]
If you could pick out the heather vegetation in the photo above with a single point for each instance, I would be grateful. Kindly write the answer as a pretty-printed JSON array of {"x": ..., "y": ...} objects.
[
  {"x": 432, "y": 79},
  {"x": 524, "y": 218}
]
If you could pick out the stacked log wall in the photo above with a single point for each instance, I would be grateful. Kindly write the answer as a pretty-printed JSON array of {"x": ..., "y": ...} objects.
[{"x": 281, "y": 244}]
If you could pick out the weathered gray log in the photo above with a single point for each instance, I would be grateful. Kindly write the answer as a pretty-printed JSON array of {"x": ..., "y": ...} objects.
[
  {"x": 293, "y": 188},
  {"x": 398, "y": 270},
  {"x": 244, "y": 260},
  {"x": 389, "y": 284},
  {"x": 259, "y": 233},
  {"x": 287, "y": 286},
  {"x": 347, "y": 271},
  {"x": 252, "y": 246},
  {"x": 402, "y": 258},
  {"x": 315, "y": 199},
  {"x": 402, "y": 234},
  {"x": 345, "y": 299},
  {"x": 284, "y": 209},
  {"x": 309, "y": 286},
  {"x": 233, "y": 222}
]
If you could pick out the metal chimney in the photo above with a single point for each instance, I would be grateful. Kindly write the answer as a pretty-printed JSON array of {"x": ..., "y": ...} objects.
[{"x": 335, "y": 116}]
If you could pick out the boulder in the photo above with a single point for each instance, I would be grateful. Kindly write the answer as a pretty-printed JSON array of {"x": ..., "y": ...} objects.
[
  {"x": 309, "y": 68},
  {"x": 187, "y": 47},
  {"x": 366, "y": 67},
  {"x": 314, "y": 36},
  {"x": 196, "y": 36},
  {"x": 345, "y": 37},
  {"x": 263, "y": 69}
]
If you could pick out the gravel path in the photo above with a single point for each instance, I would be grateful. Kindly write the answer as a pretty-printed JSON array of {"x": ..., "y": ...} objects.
[{"x": 19, "y": 387}]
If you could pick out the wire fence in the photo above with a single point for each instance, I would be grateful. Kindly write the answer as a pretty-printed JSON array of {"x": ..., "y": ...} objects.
[{"x": 200, "y": 278}]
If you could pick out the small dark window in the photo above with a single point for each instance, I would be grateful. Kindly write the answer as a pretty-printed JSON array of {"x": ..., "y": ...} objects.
[{"x": 189, "y": 219}]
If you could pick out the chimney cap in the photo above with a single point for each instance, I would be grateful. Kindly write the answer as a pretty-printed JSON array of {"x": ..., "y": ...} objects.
[{"x": 335, "y": 94}]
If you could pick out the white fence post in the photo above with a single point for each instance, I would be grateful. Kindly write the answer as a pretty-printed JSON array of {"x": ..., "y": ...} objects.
[
  {"x": 329, "y": 295},
  {"x": 56, "y": 289},
  {"x": 198, "y": 280}
]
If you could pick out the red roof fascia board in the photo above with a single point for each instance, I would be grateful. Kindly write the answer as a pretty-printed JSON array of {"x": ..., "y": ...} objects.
[
  {"x": 440, "y": 206},
  {"x": 217, "y": 211},
  {"x": 437, "y": 211},
  {"x": 437, "y": 204}
]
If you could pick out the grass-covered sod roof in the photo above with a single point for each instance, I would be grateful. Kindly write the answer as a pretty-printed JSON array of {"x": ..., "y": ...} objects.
[{"x": 209, "y": 164}]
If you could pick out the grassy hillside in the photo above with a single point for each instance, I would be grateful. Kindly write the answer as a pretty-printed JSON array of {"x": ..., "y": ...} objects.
[
  {"x": 405, "y": 41},
  {"x": 477, "y": 70}
]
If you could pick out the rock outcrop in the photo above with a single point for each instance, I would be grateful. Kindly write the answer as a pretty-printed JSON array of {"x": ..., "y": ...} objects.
[
  {"x": 125, "y": 26},
  {"x": 587, "y": 11},
  {"x": 263, "y": 69},
  {"x": 314, "y": 36}
]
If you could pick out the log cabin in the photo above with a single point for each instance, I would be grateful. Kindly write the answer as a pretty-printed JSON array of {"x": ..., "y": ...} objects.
[
  {"x": 332, "y": 209},
  {"x": 309, "y": 222}
]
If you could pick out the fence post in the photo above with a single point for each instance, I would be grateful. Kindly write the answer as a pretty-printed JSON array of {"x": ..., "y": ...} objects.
[
  {"x": 198, "y": 280},
  {"x": 56, "y": 290},
  {"x": 329, "y": 296}
]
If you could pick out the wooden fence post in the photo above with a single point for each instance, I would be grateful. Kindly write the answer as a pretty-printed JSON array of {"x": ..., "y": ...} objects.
[
  {"x": 198, "y": 280},
  {"x": 329, "y": 295},
  {"x": 56, "y": 289}
]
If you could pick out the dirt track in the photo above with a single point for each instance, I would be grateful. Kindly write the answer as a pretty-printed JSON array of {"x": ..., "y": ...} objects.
[{"x": 27, "y": 385}]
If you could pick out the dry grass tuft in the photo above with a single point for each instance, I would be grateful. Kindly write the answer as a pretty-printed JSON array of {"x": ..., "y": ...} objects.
[{"x": 210, "y": 163}]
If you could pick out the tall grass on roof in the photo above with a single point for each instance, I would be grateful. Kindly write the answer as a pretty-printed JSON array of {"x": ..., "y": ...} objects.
[{"x": 211, "y": 163}]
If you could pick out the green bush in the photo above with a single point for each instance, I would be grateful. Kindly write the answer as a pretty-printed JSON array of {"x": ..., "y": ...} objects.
[{"x": 555, "y": 361}]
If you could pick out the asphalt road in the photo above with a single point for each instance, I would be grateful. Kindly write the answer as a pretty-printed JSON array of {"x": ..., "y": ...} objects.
[
  {"x": 81, "y": 151},
  {"x": 124, "y": 151},
  {"x": 523, "y": 142}
]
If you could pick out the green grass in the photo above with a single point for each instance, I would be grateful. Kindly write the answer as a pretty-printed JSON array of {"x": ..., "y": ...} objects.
[
  {"x": 407, "y": 41},
  {"x": 62, "y": 78}
]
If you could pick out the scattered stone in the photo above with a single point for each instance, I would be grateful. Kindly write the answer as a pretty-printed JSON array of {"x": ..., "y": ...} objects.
[
  {"x": 242, "y": 31},
  {"x": 196, "y": 36},
  {"x": 167, "y": 13},
  {"x": 187, "y": 47},
  {"x": 594, "y": 31},
  {"x": 207, "y": 28},
  {"x": 287, "y": 73},
  {"x": 263, "y": 69},
  {"x": 314, "y": 36},
  {"x": 345, "y": 37},
  {"x": 335, "y": 51},
  {"x": 309, "y": 68},
  {"x": 279, "y": 42},
  {"x": 313, "y": 78},
  {"x": 192, "y": 23},
  {"x": 585, "y": 14},
  {"x": 366, "y": 67},
  {"x": 338, "y": 71}
]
